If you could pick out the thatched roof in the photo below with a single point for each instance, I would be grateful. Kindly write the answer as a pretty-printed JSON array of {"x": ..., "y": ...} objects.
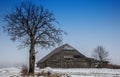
[{"x": 61, "y": 48}]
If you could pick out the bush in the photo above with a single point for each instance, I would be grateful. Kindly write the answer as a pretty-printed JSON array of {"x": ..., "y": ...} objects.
[{"x": 24, "y": 70}]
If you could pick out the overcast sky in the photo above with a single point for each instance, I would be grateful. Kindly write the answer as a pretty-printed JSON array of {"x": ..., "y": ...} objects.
[{"x": 89, "y": 23}]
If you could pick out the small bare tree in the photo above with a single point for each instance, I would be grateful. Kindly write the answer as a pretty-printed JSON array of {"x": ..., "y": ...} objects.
[
  {"x": 33, "y": 26},
  {"x": 100, "y": 54}
]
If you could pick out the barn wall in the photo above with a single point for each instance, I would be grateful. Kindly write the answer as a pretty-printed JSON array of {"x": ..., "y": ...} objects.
[{"x": 65, "y": 59}]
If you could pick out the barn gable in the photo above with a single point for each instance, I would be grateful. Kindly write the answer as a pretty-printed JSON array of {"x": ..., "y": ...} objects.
[{"x": 59, "y": 49}]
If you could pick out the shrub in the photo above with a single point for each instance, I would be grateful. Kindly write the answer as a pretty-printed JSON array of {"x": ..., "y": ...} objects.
[{"x": 24, "y": 70}]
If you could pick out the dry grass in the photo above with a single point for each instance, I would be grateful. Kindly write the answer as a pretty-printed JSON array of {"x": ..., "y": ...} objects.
[
  {"x": 24, "y": 71},
  {"x": 49, "y": 74}
]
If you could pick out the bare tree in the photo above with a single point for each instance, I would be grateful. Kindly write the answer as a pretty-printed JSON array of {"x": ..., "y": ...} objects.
[
  {"x": 33, "y": 26},
  {"x": 100, "y": 54}
]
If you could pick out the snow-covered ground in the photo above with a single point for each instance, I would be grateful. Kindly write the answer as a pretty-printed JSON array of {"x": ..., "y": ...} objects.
[
  {"x": 7, "y": 72},
  {"x": 88, "y": 72},
  {"x": 74, "y": 72}
]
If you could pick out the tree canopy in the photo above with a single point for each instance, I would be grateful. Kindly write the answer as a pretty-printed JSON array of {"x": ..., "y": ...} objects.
[
  {"x": 100, "y": 54},
  {"x": 29, "y": 20}
]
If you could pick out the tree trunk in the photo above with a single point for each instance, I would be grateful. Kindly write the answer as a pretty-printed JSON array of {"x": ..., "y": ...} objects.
[{"x": 32, "y": 58}]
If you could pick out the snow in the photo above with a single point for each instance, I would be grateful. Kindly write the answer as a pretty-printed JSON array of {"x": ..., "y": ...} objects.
[
  {"x": 73, "y": 72},
  {"x": 90, "y": 71},
  {"x": 12, "y": 71}
]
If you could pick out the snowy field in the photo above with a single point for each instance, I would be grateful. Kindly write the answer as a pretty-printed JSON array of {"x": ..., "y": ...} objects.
[{"x": 75, "y": 72}]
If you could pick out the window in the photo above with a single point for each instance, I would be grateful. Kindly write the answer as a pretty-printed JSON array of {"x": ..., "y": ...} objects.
[
  {"x": 77, "y": 56},
  {"x": 68, "y": 56}
]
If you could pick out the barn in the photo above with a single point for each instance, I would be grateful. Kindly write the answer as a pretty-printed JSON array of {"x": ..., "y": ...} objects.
[{"x": 67, "y": 56}]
